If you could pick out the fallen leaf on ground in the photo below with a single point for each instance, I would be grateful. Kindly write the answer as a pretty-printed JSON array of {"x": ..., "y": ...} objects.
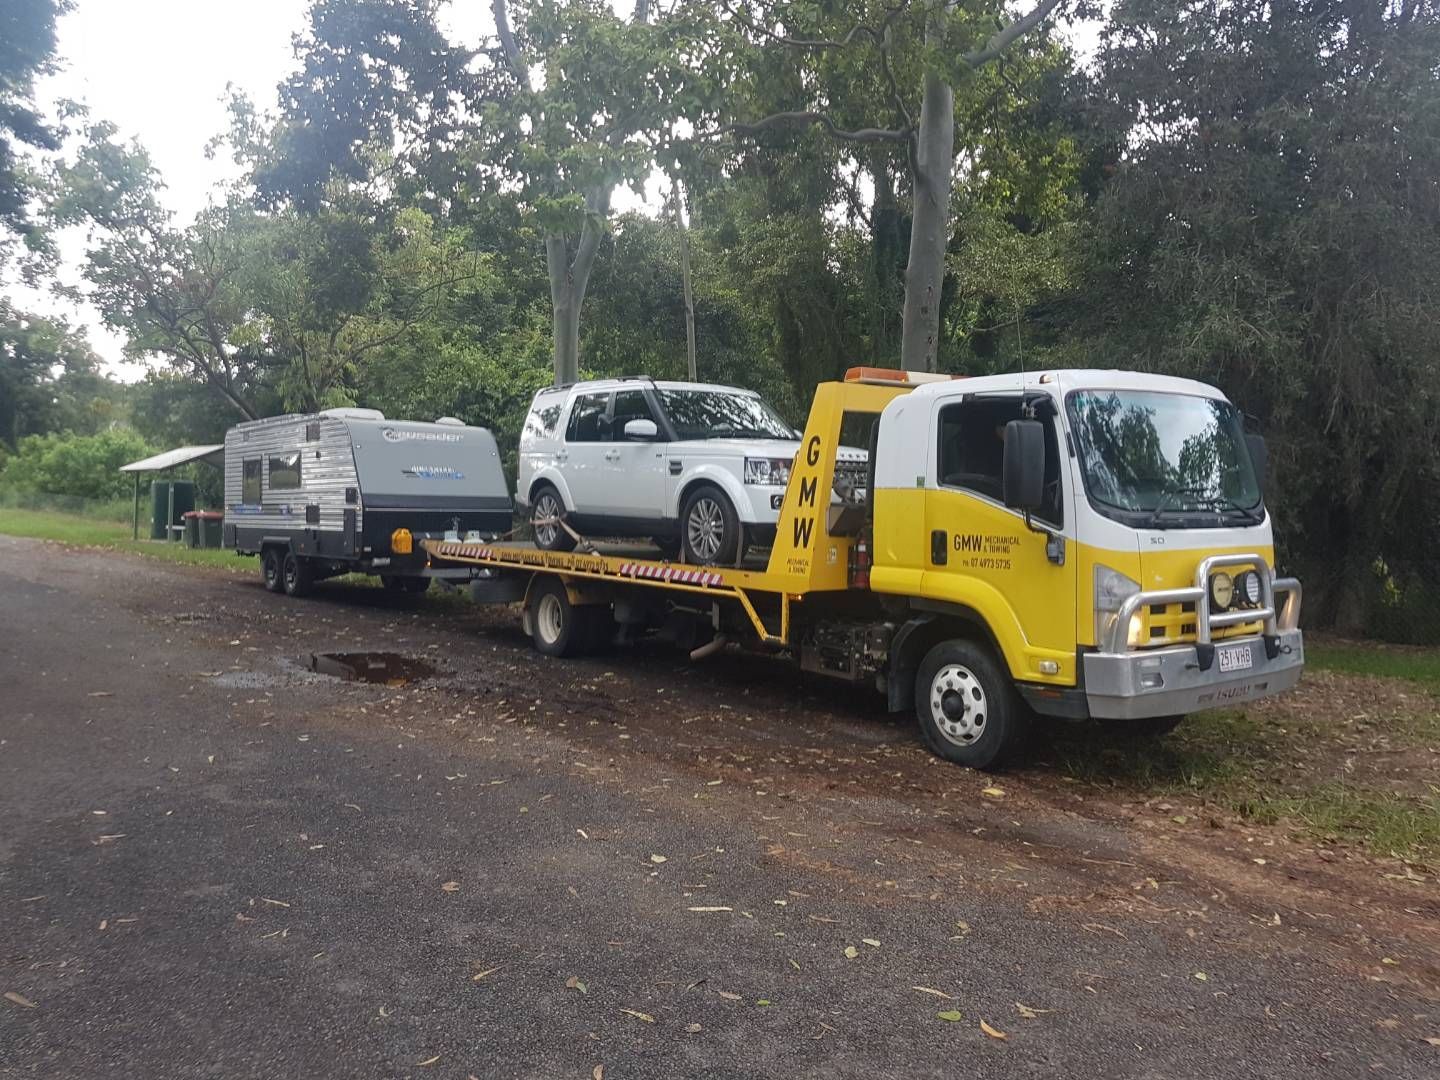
[
  {"x": 573, "y": 983},
  {"x": 450, "y": 886},
  {"x": 1028, "y": 1013},
  {"x": 993, "y": 792},
  {"x": 951, "y": 1015},
  {"x": 710, "y": 909},
  {"x": 277, "y": 903},
  {"x": 100, "y": 693},
  {"x": 657, "y": 858},
  {"x": 728, "y": 996},
  {"x": 639, "y": 1015},
  {"x": 851, "y": 952},
  {"x": 1431, "y": 1039},
  {"x": 693, "y": 1028},
  {"x": 764, "y": 1001},
  {"x": 1202, "y": 976},
  {"x": 994, "y": 1033},
  {"x": 19, "y": 999},
  {"x": 598, "y": 1073},
  {"x": 488, "y": 971},
  {"x": 932, "y": 990},
  {"x": 871, "y": 942},
  {"x": 427, "y": 1061}
]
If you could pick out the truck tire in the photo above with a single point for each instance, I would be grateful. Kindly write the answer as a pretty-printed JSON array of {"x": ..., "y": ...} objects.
[
  {"x": 558, "y": 627},
  {"x": 415, "y": 583},
  {"x": 272, "y": 569},
  {"x": 968, "y": 709},
  {"x": 709, "y": 528},
  {"x": 546, "y": 504},
  {"x": 297, "y": 574}
]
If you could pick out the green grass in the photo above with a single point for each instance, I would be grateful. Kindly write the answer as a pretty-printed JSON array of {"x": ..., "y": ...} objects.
[
  {"x": 1417, "y": 665},
  {"x": 1386, "y": 823},
  {"x": 88, "y": 532}
]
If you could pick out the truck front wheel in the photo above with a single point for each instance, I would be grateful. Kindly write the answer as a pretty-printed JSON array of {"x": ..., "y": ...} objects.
[{"x": 968, "y": 709}]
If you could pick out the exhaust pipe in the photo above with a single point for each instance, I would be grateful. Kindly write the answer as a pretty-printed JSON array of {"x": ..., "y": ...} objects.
[{"x": 710, "y": 648}]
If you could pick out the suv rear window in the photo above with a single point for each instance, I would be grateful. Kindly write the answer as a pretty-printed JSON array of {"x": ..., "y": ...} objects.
[
  {"x": 586, "y": 418},
  {"x": 544, "y": 416}
]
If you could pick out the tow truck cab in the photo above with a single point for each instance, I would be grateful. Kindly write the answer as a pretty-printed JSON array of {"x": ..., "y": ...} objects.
[{"x": 1105, "y": 531}]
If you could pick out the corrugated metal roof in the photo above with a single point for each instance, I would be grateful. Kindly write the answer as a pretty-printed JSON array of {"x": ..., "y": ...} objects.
[{"x": 181, "y": 455}]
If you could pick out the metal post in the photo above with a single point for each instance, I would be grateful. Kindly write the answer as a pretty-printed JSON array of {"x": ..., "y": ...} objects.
[
  {"x": 170, "y": 512},
  {"x": 135, "y": 521}
]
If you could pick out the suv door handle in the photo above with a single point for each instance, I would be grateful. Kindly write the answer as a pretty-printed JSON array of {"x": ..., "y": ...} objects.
[{"x": 612, "y": 455}]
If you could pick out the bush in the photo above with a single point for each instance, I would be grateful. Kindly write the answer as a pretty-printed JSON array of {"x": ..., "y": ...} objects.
[{"x": 84, "y": 466}]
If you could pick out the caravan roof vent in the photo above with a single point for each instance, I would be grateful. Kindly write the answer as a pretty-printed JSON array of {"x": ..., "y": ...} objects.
[
  {"x": 451, "y": 420},
  {"x": 350, "y": 413}
]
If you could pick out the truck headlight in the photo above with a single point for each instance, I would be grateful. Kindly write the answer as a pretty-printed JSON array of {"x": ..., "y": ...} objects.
[
  {"x": 1247, "y": 587},
  {"x": 767, "y": 472},
  {"x": 1222, "y": 590},
  {"x": 1112, "y": 589}
]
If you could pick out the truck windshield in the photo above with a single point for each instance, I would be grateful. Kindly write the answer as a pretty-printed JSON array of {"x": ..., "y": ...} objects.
[
  {"x": 1164, "y": 460},
  {"x": 715, "y": 414}
]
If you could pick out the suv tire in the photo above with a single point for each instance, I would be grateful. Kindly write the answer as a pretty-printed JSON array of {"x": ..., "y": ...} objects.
[
  {"x": 709, "y": 528},
  {"x": 546, "y": 503},
  {"x": 968, "y": 709}
]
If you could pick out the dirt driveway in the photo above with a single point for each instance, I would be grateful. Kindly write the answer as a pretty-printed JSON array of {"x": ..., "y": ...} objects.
[{"x": 214, "y": 862}]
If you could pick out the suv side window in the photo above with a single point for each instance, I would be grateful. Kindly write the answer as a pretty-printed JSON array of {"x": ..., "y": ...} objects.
[
  {"x": 629, "y": 405},
  {"x": 587, "y": 419},
  {"x": 544, "y": 416},
  {"x": 972, "y": 452}
]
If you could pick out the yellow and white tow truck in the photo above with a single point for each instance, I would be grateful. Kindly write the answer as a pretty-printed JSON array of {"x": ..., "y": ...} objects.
[{"x": 1078, "y": 544}]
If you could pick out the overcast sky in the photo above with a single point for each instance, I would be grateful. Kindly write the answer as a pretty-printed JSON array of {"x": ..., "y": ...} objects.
[{"x": 159, "y": 70}]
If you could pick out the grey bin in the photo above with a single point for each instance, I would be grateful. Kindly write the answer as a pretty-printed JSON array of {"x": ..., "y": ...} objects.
[{"x": 204, "y": 528}]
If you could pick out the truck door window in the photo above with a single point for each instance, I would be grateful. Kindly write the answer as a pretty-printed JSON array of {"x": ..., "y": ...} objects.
[
  {"x": 587, "y": 419},
  {"x": 972, "y": 452},
  {"x": 629, "y": 405},
  {"x": 285, "y": 472},
  {"x": 250, "y": 482}
]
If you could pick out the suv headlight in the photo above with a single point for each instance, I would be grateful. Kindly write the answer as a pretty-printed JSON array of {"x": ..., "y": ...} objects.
[
  {"x": 1112, "y": 589},
  {"x": 767, "y": 472}
]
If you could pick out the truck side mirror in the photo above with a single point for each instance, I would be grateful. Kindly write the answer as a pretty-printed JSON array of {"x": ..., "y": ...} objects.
[
  {"x": 641, "y": 430},
  {"x": 1259, "y": 458},
  {"x": 1023, "y": 471}
]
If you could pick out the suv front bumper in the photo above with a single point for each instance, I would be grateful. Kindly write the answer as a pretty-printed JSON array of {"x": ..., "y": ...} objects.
[{"x": 1170, "y": 682}]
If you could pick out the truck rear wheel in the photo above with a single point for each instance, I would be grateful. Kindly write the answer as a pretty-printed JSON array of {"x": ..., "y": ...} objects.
[
  {"x": 968, "y": 709},
  {"x": 558, "y": 627},
  {"x": 271, "y": 569}
]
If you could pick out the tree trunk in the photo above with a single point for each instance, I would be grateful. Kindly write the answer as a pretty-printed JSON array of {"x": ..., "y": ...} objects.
[
  {"x": 887, "y": 255},
  {"x": 567, "y": 341},
  {"x": 929, "y": 227},
  {"x": 692, "y": 365},
  {"x": 568, "y": 281}
]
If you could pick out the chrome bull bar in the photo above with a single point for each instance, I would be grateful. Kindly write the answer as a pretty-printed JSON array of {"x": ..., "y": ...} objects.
[{"x": 1285, "y": 617}]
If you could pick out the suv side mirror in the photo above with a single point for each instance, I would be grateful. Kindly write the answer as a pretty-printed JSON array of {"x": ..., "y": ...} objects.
[
  {"x": 1259, "y": 458},
  {"x": 1023, "y": 471},
  {"x": 641, "y": 430}
]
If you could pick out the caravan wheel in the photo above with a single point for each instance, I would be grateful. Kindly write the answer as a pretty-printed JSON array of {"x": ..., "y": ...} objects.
[
  {"x": 270, "y": 570},
  {"x": 298, "y": 575}
]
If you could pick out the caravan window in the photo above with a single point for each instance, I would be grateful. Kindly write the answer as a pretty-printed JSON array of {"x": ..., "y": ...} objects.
[
  {"x": 250, "y": 482},
  {"x": 285, "y": 472}
]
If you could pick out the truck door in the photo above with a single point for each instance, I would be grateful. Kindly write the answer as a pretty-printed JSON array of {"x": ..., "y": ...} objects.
[
  {"x": 981, "y": 553},
  {"x": 634, "y": 470}
]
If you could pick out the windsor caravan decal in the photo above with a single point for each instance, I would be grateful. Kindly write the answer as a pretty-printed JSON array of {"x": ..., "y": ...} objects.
[{"x": 391, "y": 434}]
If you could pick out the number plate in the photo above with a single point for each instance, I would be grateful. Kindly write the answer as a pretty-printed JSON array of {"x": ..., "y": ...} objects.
[{"x": 1236, "y": 658}]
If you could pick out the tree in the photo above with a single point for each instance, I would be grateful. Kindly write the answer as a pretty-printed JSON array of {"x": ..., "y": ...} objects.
[
  {"x": 563, "y": 108},
  {"x": 1273, "y": 226},
  {"x": 933, "y": 44},
  {"x": 49, "y": 379},
  {"x": 27, "y": 49}
]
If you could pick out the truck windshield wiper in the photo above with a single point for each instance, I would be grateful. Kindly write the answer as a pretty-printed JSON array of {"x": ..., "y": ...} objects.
[{"x": 1201, "y": 495}]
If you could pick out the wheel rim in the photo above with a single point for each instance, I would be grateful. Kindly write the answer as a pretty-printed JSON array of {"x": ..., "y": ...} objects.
[
  {"x": 958, "y": 705},
  {"x": 549, "y": 618},
  {"x": 270, "y": 570},
  {"x": 705, "y": 528},
  {"x": 546, "y": 506},
  {"x": 292, "y": 571}
]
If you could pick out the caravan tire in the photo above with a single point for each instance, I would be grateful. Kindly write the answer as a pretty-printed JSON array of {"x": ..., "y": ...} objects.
[
  {"x": 299, "y": 576},
  {"x": 272, "y": 569}
]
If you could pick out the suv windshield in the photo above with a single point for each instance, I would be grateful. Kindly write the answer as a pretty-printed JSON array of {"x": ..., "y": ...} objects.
[
  {"x": 1158, "y": 459},
  {"x": 715, "y": 414}
]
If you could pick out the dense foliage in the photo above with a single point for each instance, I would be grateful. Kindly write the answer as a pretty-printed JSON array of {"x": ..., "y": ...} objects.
[{"x": 1245, "y": 194}]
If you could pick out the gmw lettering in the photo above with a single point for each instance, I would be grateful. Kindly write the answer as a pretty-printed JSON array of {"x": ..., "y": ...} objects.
[
  {"x": 968, "y": 542},
  {"x": 804, "y": 528}
]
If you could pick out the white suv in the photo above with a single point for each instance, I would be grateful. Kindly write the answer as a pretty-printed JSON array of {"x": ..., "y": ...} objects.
[{"x": 700, "y": 469}]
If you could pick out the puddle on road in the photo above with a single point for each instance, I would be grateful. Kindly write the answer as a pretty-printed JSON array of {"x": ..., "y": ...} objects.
[{"x": 387, "y": 669}]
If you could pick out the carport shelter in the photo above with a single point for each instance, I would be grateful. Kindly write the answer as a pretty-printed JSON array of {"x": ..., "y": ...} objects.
[{"x": 167, "y": 462}]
